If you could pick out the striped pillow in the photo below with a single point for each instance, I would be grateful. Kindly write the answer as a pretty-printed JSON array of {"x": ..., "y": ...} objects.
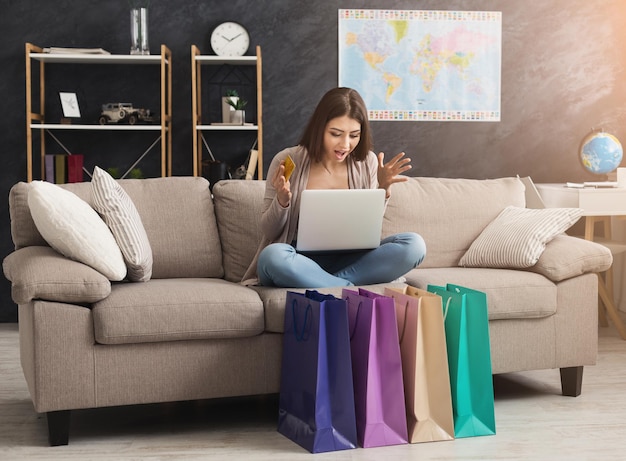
[
  {"x": 517, "y": 237},
  {"x": 119, "y": 212}
]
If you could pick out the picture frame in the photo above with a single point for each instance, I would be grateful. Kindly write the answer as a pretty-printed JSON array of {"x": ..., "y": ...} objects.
[{"x": 69, "y": 103}]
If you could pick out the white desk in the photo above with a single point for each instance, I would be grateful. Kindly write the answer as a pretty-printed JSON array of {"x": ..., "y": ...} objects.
[
  {"x": 603, "y": 201},
  {"x": 598, "y": 205}
]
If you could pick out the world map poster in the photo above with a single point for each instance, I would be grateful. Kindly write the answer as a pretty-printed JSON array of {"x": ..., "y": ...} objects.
[{"x": 423, "y": 65}]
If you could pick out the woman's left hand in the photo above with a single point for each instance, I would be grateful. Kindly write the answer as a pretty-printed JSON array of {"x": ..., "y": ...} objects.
[{"x": 388, "y": 172}]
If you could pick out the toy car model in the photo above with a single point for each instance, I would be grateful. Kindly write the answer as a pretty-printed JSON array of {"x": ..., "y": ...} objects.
[{"x": 124, "y": 111}]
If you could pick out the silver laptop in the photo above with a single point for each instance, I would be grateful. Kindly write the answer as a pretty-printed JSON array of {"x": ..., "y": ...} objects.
[{"x": 340, "y": 219}]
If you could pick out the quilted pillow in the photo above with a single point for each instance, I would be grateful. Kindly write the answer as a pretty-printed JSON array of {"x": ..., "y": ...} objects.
[
  {"x": 517, "y": 237},
  {"x": 119, "y": 212},
  {"x": 74, "y": 229}
]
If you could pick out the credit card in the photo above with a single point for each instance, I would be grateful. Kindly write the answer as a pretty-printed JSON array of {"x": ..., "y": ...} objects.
[{"x": 289, "y": 167}]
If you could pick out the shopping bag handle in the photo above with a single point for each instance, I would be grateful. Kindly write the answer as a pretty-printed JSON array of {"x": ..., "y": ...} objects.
[
  {"x": 307, "y": 313},
  {"x": 356, "y": 320},
  {"x": 406, "y": 314},
  {"x": 445, "y": 311}
]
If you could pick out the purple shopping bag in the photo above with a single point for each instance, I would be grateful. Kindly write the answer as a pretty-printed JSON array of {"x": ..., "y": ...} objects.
[
  {"x": 377, "y": 369},
  {"x": 316, "y": 403}
]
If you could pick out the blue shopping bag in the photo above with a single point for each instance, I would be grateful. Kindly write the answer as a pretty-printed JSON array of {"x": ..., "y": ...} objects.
[
  {"x": 316, "y": 403},
  {"x": 469, "y": 359}
]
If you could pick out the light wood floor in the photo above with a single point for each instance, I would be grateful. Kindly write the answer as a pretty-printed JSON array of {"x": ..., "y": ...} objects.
[{"x": 533, "y": 422}]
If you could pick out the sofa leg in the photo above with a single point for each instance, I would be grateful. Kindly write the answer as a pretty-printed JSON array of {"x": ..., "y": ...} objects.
[
  {"x": 58, "y": 427},
  {"x": 572, "y": 381}
]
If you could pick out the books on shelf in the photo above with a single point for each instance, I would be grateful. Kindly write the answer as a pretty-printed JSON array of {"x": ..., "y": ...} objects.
[
  {"x": 231, "y": 124},
  {"x": 252, "y": 161},
  {"x": 62, "y": 168},
  {"x": 60, "y": 172},
  {"x": 61, "y": 50},
  {"x": 75, "y": 168}
]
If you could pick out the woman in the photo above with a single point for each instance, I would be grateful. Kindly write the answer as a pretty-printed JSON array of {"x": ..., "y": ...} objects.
[{"x": 334, "y": 153}]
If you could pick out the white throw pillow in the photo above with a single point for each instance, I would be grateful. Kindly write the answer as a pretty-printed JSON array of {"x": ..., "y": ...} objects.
[
  {"x": 119, "y": 212},
  {"x": 517, "y": 237},
  {"x": 74, "y": 229}
]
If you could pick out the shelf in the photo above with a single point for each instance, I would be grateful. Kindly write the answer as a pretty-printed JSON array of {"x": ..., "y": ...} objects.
[
  {"x": 111, "y": 127},
  {"x": 204, "y": 133},
  {"x": 234, "y": 61},
  {"x": 227, "y": 127},
  {"x": 80, "y": 58},
  {"x": 36, "y": 90}
]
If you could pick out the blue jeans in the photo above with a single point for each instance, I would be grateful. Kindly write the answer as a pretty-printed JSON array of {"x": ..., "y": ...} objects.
[{"x": 281, "y": 265}]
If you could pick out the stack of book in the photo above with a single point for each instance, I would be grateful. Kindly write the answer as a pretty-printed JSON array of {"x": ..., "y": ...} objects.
[
  {"x": 63, "y": 50},
  {"x": 62, "y": 168}
]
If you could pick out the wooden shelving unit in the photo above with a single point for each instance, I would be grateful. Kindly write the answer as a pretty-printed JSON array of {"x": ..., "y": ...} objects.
[
  {"x": 35, "y": 120},
  {"x": 200, "y": 126}
]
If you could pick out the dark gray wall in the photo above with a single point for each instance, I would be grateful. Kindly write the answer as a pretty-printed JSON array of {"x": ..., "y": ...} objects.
[{"x": 562, "y": 74}]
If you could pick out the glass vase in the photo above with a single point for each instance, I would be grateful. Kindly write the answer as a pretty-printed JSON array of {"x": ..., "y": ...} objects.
[{"x": 139, "y": 31}]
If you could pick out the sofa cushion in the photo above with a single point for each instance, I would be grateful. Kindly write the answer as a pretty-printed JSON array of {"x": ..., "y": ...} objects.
[
  {"x": 511, "y": 294},
  {"x": 40, "y": 272},
  {"x": 177, "y": 309},
  {"x": 23, "y": 230},
  {"x": 120, "y": 214},
  {"x": 177, "y": 213},
  {"x": 448, "y": 213},
  {"x": 518, "y": 236},
  {"x": 566, "y": 257},
  {"x": 238, "y": 206},
  {"x": 74, "y": 229}
]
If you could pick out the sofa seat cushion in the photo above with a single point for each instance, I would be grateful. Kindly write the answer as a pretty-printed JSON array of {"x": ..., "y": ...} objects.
[
  {"x": 511, "y": 294},
  {"x": 274, "y": 301},
  {"x": 177, "y": 309}
]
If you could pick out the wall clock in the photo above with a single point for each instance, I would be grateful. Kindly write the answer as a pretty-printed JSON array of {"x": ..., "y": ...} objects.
[{"x": 230, "y": 39}]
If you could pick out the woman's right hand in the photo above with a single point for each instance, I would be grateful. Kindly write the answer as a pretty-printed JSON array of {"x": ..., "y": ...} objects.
[{"x": 282, "y": 186}]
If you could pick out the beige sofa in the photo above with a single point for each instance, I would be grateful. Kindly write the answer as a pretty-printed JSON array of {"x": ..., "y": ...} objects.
[{"x": 193, "y": 332}]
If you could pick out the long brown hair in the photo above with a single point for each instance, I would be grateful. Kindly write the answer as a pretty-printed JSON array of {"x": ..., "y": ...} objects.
[{"x": 337, "y": 103}]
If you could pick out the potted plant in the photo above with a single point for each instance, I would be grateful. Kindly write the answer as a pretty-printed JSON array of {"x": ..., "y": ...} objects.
[
  {"x": 135, "y": 173},
  {"x": 227, "y": 108},
  {"x": 238, "y": 116}
]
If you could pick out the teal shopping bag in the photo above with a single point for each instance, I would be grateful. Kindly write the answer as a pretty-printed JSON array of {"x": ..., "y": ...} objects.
[{"x": 469, "y": 359}]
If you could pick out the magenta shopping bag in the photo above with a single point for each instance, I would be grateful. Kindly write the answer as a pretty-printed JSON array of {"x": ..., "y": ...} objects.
[
  {"x": 316, "y": 403},
  {"x": 377, "y": 369}
]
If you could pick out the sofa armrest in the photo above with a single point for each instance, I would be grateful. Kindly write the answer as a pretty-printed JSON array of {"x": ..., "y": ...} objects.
[
  {"x": 39, "y": 272},
  {"x": 566, "y": 257}
]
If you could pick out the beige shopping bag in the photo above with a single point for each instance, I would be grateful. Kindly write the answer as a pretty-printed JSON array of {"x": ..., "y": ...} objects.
[{"x": 424, "y": 364}]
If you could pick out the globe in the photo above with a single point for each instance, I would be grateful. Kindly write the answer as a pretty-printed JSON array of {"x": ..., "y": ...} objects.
[{"x": 601, "y": 152}]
